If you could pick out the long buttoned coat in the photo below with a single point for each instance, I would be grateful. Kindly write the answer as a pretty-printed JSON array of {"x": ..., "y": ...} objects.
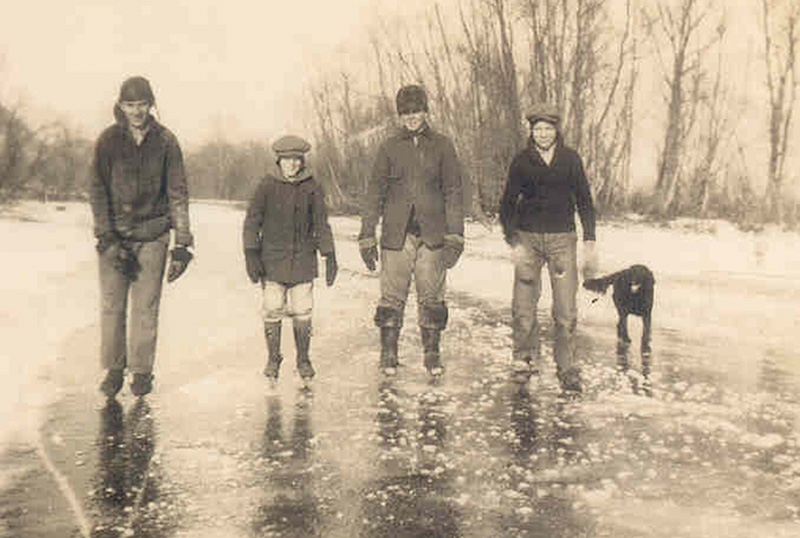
[{"x": 287, "y": 222}]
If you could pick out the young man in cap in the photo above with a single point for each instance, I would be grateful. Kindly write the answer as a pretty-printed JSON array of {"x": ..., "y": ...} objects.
[
  {"x": 138, "y": 193},
  {"x": 546, "y": 182},
  {"x": 415, "y": 193},
  {"x": 285, "y": 226}
]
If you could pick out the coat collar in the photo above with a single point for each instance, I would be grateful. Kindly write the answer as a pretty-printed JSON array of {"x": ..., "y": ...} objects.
[
  {"x": 304, "y": 175},
  {"x": 408, "y": 135},
  {"x": 536, "y": 157},
  {"x": 153, "y": 127}
]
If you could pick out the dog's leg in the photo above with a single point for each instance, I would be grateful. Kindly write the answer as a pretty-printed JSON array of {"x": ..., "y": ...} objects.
[
  {"x": 646, "y": 334},
  {"x": 622, "y": 327},
  {"x": 622, "y": 356}
]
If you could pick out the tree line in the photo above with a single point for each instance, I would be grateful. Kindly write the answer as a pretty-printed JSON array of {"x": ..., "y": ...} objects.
[{"x": 484, "y": 63}]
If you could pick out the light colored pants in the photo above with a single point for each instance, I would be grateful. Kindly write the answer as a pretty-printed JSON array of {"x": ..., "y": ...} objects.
[
  {"x": 281, "y": 300},
  {"x": 429, "y": 272},
  {"x": 559, "y": 252},
  {"x": 145, "y": 297}
]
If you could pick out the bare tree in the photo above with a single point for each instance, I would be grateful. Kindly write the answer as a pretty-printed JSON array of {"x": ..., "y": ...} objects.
[
  {"x": 683, "y": 73},
  {"x": 780, "y": 55}
]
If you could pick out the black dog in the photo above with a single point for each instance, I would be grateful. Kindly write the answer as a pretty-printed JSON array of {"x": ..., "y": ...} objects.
[{"x": 633, "y": 294}]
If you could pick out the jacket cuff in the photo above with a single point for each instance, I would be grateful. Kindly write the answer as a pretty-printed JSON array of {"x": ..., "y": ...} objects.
[
  {"x": 184, "y": 238},
  {"x": 367, "y": 242}
]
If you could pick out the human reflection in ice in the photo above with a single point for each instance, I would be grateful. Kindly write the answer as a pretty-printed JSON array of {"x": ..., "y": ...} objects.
[
  {"x": 127, "y": 499},
  {"x": 523, "y": 423},
  {"x": 289, "y": 506},
  {"x": 410, "y": 496},
  {"x": 546, "y": 450}
]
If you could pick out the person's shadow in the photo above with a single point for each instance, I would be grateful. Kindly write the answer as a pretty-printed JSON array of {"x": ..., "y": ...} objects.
[
  {"x": 289, "y": 506},
  {"x": 125, "y": 483}
]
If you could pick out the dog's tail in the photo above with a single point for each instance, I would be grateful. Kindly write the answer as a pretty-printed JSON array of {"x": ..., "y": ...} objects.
[{"x": 601, "y": 284}]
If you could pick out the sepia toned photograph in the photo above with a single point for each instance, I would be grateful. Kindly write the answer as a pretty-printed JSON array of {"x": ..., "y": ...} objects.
[{"x": 417, "y": 269}]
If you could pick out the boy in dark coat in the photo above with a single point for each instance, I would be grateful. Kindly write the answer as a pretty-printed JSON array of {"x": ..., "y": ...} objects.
[{"x": 285, "y": 226}]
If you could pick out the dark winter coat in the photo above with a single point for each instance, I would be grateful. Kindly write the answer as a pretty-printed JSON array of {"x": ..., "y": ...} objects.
[
  {"x": 140, "y": 192},
  {"x": 419, "y": 172},
  {"x": 287, "y": 222},
  {"x": 542, "y": 198}
]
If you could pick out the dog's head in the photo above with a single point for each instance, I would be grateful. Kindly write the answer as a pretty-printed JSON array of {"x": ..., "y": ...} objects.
[{"x": 596, "y": 284}]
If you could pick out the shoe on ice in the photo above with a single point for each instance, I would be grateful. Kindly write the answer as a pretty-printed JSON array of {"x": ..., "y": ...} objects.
[
  {"x": 272, "y": 368},
  {"x": 524, "y": 365},
  {"x": 112, "y": 383},
  {"x": 570, "y": 381},
  {"x": 430, "y": 346},
  {"x": 302, "y": 340},
  {"x": 305, "y": 369},
  {"x": 142, "y": 384},
  {"x": 389, "y": 337}
]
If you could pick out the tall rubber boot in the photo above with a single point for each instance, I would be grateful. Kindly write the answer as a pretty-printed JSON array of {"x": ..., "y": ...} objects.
[
  {"x": 302, "y": 341},
  {"x": 272, "y": 332},
  {"x": 389, "y": 337},
  {"x": 430, "y": 346}
]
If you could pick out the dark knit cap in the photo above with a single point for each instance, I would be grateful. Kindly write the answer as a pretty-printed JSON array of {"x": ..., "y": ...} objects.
[
  {"x": 411, "y": 98},
  {"x": 136, "y": 89}
]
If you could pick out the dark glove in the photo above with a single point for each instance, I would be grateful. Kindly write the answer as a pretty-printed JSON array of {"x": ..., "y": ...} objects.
[
  {"x": 255, "y": 267},
  {"x": 512, "y": 239},
  {"x": 104, "y": 241},
  {"x": 369, "y": 252},
  {"x": 179, "y": 260},
  {"x": 331, "y": 268},
  {"x": 453, "y": 247},
  {"x": 126, "y": 262}
]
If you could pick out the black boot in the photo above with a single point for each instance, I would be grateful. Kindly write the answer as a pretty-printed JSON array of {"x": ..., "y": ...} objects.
[
  {"x": 570, "y": 381},
  {"x": 430, "y": 345},
  {"x": 272, "y": 332},
  {"x": 112, "y": 383},
  {"x": 302, "y": 340},
  {"x": 389, "y": 337},
  {"x": 142, "y": 384}
]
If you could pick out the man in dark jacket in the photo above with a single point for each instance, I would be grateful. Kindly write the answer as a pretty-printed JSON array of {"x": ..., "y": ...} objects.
[
  {"x": 285, "y": 226},
  {"x": 138, "y": 192},
  {"x": 546, "y": 182},
  {"x": 415, "y": 193}
]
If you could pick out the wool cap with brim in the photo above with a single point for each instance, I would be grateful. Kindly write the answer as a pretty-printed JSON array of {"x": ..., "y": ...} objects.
[
  {"x": 290, "y": 146},
  {"x": 544, "y": 112},
  {"x": 136, "y": 89},
  {"x": 410, "y": 99}
]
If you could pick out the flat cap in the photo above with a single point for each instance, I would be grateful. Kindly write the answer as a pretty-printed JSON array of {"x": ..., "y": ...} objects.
[
  {"x": 290, "y": 146},
  {"x": 544, "y": 111}
]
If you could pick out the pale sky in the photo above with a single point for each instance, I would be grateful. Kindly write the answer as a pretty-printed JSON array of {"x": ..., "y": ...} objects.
[
  {"x": 238, "y": 68},
  {"x": 235, "y": 64}
]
